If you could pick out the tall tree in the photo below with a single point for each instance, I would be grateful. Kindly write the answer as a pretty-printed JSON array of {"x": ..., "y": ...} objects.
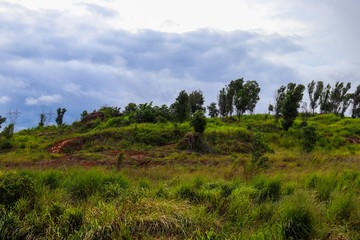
[
  {"x": 246, "y": 97},
  {"x": 291, "y": 103},
  {"x": 232, "y": 90},
  {"x": 325, "y": 106},
  {"x": 181, "y": 107},
  {"x": 339, "y": 98},
  {"x": 2, "y": 120},
  {"x": 222, "y": 100},
  {"x": 270, "y": 108},
  {"x": 315, "y": 92},
  {"x": 60, "y": 116},
  {"x": 42, "y": 120},
  {"x": 213, "y": 111},
  {"x": 252, "y": 89},
  {"x": 356, "y": 103},
  {"x": 196, "y": 101},
  {"x": 279, "y": 101}
]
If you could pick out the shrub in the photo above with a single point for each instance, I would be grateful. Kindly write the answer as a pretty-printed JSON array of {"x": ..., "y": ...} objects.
[
  {"x": 14, "y": 186},
  {"x": 297, "y": 218},
  {"x": 323, "y": 185},
  {"x": 260, "y": 148},
  {"x": 83, "y": 184},
  {"x": 198, "y": 122},
  {"x": 309, "y": 138},
  {"x": 52, "y": 179},
  {"x": 269, "y": 189},
  {"x": 241, "y": 203},
  {"x": 341, "y": 205},
  {"x": 297, "y": 223},
  {"x": 74, "y": 219},
  {"x": 193, "y": 142}
]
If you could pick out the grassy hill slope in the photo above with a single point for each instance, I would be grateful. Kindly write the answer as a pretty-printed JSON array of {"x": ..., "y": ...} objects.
[{"x": 114, "y": 180}]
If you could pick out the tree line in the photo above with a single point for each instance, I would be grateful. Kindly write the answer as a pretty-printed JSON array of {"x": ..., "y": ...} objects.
[
  {"x": 234, "y": 99},
  {"x": 239, "y": 97}
]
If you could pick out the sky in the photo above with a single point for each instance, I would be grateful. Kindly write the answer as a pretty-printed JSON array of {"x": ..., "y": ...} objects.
[{"x": 82, "y": 55}]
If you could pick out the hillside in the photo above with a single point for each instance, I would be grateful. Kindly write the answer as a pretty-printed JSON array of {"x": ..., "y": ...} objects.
[{"x": 111, "y": 179}]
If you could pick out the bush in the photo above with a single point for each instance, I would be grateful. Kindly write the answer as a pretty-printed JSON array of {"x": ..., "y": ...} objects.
[
  {"x": 341, "y": 205},
  {"x": 309, "y": 138},
  {"x": 323, "y": 185},
  {"x": 198, "y": 122},
  {"x": 297, "y": 223},
  {"x": 51, "y": 179},
  {"x": 269, "y": 189},
  {"x": 14, "y": 186},
  {"x": 296, "y": 217},
  {"x": 260, "y": 148},
  {"x": 193, "y": 142}
]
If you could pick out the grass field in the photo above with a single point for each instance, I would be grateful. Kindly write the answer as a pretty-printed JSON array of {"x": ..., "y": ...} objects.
[{"x": 114, "y": 181}]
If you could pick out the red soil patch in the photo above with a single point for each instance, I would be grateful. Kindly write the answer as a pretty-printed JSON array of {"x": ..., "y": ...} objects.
[
  {"x": 68, "y": 144},
  {"x": 353, "y": 140}
]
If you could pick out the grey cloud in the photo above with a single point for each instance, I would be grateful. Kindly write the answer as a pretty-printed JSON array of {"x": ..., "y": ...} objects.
[{"x": 56, "y": 60}]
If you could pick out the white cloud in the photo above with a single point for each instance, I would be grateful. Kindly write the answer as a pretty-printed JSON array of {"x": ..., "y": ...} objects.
[
  {"x": 4, "y": 99},
  {"x": 43, "y": 100}
]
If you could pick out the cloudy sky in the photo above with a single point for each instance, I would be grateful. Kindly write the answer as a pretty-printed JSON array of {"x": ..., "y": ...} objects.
[{"x": 82, "y": 55}]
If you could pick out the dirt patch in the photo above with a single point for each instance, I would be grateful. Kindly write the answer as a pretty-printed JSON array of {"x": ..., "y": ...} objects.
[
  {"x": 68, "y": 145},
  {"x": 353, "y": 140}
]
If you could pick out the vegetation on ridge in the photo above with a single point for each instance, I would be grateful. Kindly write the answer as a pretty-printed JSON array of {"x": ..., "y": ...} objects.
[{"x": 146, "y": 173}]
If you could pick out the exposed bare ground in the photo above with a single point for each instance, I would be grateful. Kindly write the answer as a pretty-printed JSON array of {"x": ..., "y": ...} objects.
[{"x": 108, "y": 159}]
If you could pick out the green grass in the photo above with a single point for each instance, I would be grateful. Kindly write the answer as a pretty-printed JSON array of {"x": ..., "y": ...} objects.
[{"x": 160, "y": 192}]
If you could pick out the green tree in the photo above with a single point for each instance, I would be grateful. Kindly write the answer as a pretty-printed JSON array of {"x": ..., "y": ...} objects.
[
  {"x": 60, "y": 116},
  {"x": 196, "y": 101},
  {"x": 232, "y": 91},
  {"x": 339, "y": 98},
  {"x": 252, "y": 89},
  {"x": 315, "y": 92},
  {"x": 222, "y": 103},
  {"x": 279, "y": 101},
  {"x": 83, "y": 115},
  {"x": 213, "y": 111},
  {"x": 198, "y": 122},
  {"x": 325, "y": 106},
  {"x": 181, "y": 107},
  {"x": 356, "y": 103},
  {"x": 163, "y": 113},
  {"x": 2, "y": 120},
  {"x": 42, "y": 120},
  {"x": 291, "y": 103},
  {"x": 130, "y": 108},
  {"x": 270, "y": 108},
  {"x": 145, "y": 113},
  {"x": 246, "y": 98},
  {"x": 110, "y": 112},
  {"x": 8, "y": 131}
]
